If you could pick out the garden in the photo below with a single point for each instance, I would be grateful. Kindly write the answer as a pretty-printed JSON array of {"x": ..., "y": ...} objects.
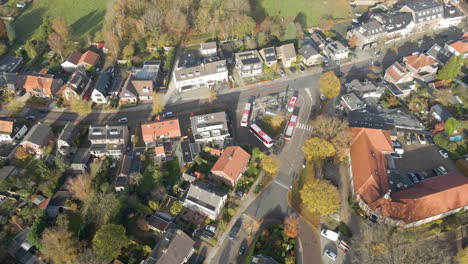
[{"x": 273, "y": 242}]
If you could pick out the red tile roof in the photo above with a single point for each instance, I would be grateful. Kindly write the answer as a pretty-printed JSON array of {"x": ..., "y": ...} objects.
[
  {"x": 6, "y": 126},
  {"x": 231, "y": 163},
  {"x": 159, "y": 150},
  {"x": 419, "y": 61},
  {"x": 89, "y": 57},
  {"x": 396, "y": 71},
  {"x": 74, "y": 57},
  {"x": 461, "y": 45},
  {"x": 168, "y": 128},
  {"x": 39, "y": 82}
]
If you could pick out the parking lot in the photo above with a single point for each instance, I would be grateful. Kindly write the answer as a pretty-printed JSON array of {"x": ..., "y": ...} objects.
[{"x": 418, "y": 158}]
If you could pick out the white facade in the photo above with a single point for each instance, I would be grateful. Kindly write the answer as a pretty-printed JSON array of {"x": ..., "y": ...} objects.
[
  {"x": 197, "y": 80},
  {"x": 98, "y": 97},
  {"x": 68, "y": 66},
  {"x": 13, "y": 136}
]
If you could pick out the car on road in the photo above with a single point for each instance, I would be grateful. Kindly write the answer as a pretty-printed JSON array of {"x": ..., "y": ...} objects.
[
  {"x": 339, "y": 74},
  {"x": 377, "y": 63},
  {"x": 123, "y": 120},
  {"x": 330, "y": 254},
  {"x": 292, "y": 69},
  {"x": 442, "y": 170},
  {"x": 407, "y": 139},
  {"x": 301, "y": 69},
  {"x": 326, "y": 63},
  {"x": 413, "y": 139},
  {"x": 211, "y": 228},
  {"x": 399, "y": 151},
  {"x": 43, "y": 111},
  {"x": 235, "y": 229},
  {"x": 379, "y": 53},
  {"x": 30, "y": 118},
  {"x": 444, "y": 36},
  {"x": 430, "y": 140},
  {"x": 443, "y": 153},
  {"x": 241, "y": 250},
  {"x": 281, "y": 72},
  {"x": 421, "y": 139},
  {"x": 396, "y": 144},
  {"x": 396, "y": 156},
  {"x": 333, "y": 236}
]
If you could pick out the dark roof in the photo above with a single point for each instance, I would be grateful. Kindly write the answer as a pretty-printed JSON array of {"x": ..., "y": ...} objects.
[
  {"x": 186, "y": 151},
  {"x": 103, "y": 82},
  {"x": 384, "y": 118},
  {"x": 336, "y": 46},
  {"x": 270, "y": 54},
  {"x": 261, "y": 259},
  {"x": 121, "y": 181},
  {"x": 308, "y": 51},
  {"x": 81, "y": 156},
  {"x": 440, "y": 54},
  {"x": 395, "y": 21},
  {"x": 8, "y": 78},
  {"x": 250, "y": 61},
  {"x": 371, "y": 27},
  {"x": 10, "y": 63},
  {"x": 190, "y": 58},
  {"x": 78, "y": 80},
  {"x": 422, "y": 5},
  {"x": 160, "y": 221},
  {"x": 38, "y": 134},
  {"x": 68, "y": 133},
  {"x": 59, "y": 198},
  {"x": 172, "y": 248},
  {"x": 450, "y": 11},
  {"x": 441, "y": 111}
]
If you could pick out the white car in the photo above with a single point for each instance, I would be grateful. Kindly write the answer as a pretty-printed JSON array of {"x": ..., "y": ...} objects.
[
  {"x": 123, "y": 120},
  {"x": 332, "y": 255},
  {"x": 399, "y": 151},
  {"x": 333, "y": 236},
  {"x": 421, "y": 139},
  {"x": 443, "y": 153}
]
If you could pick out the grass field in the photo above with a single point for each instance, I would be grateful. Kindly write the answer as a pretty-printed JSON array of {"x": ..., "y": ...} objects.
[
  {"x": 309, "y": 12},
  {"x": 85, "y": 16}
]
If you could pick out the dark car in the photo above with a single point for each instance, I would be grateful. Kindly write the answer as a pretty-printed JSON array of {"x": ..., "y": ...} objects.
[
  {"x": 444, "y": 36},
  {"x": 430, "y": 140},
  {"x": 435, "y": 172},
  {"x": 301, "y": 69},
  {"x": 43, "y": 111},
  {"x": 292, "y": 69},
  {"x": 339, "y": 74},
  {"x": 419, "y": 176},
  {"x": 235, "y": 229},
  {"x": 413, "y": 139},
  {"x": 241, "y": 250}
]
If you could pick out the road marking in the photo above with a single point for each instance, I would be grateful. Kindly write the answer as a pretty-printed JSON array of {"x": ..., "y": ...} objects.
[
  {"x": 280, "y": 184},
  {"x": 305, "y": 127},
  {"x": 308, "y": 92}
]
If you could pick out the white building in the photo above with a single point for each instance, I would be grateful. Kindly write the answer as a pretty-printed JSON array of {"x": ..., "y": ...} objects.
[
  {"x": 204, "y": 198},
  {"x": 11, "y": 130}
]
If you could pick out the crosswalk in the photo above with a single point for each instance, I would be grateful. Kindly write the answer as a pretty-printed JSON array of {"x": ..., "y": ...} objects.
[{"x": 305, "y": 127}]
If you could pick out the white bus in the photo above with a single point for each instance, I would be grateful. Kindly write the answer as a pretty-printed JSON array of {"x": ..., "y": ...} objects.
[
  {"x": 245, "y": 115},
  {"x": 290, "y": 128},
  {"x": 292, "y": 103},
  {"x": 258, "y": 132}
]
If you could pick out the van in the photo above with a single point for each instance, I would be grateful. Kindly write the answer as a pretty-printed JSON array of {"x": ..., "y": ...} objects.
[
  {"x": 333, "y": 236},
  {"x": 399, "y": 151}
]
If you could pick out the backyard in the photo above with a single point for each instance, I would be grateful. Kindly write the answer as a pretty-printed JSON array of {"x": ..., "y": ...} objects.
[
  {"x": 309, "y": 12},
  {"x": 274, "y": 243},
  {"x": 85, "y": 16}
]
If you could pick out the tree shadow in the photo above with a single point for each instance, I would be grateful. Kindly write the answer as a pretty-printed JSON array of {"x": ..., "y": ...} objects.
[
  {"x": 301, "y": 18},
  {"x": 91, "y": 23},
  {"x": 258, "y": 11},
  {"x": 27, "y": 23}
]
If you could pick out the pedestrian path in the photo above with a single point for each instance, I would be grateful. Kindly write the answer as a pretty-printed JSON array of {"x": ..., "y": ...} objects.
[{"x": 305, "y": 127}]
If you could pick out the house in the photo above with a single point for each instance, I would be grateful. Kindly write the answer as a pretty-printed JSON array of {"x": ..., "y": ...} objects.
[
  {"x": 79, "y": 162},
  {"x": 11, "y": 130},
  {"x": 131, "y": 163},
  {"x": 57, "y": 203},
  {"x": 205, "y": 198},
  {"x": 368, "y": 32},
  {"x": 78, "y": 83},
  {"x": 101, "y": 93},
  {"x": 121, "y": 183},
  {"x": 10, "y": 64},
  {"x": 209, "y": 48},
  {"x": 8, "y": 171},
  {"x": 65, "y": 139},
  {"x": 269, "y": 56},
  {"x": 230, "y": 166},
  {"x": 262, "y": 259},
  {"x": 365, "y": 88},
  {"x": 426, "y": 14},
  {"x": 37, "y": 138},
  {"x": 287, "y": 54},
  {"x": 77, "y": 59},
  {"x": 175, "y": 247},
  {"x": 249, "y": 63},
  {"x": 452, "y": 17},
  {"x": 318, "y": 40},
  {"x": 155, "y": 133},
  {"x": 336, "y": 50},
  {"x": 189, "y": 150},
  {"x": 460, "y": 47},
  {"x": 397, "y": 24},
  {"x": 310, "y": 56},
  {"x": 351, "y": 102},
  {"x": 108, "y": 140},
  {"x": 397, "y": 73},
  {"x": 12, "y": 81},
  {"x": 160, "y": 222},
  {"x": 440, "y": 54},
  {"x": 149, "y": 71},
  {"x": 21, "y": 250},
  {"x": 209, "y": 127},
  {"x": 42, "y": 86},
  {"x": 440, "y": 113},
  {"x": 135, "y": 91},
  {"x": 421, "y": 66},
  {"x": 199, "y": 69}
]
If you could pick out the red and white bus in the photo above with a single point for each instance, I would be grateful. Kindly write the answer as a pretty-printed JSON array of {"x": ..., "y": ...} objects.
[
  {"x": 290, "y": 128},
  {"x": 258, "y": 132},
  {"x": 245, "y": 115},
  {"x": 292, "y": 103}
]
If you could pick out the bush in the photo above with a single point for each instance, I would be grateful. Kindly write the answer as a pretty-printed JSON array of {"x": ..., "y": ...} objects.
[{"x": 344, "y": 230}]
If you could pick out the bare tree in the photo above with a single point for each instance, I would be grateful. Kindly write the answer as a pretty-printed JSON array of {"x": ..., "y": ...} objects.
[
  {"x": 79, "y": 186},
  {"x": 176, "y": 21},
  {"x": 153, "y": 20},
  {"x": 56, "y": 43},
  {"x": 61, "y": 27}
]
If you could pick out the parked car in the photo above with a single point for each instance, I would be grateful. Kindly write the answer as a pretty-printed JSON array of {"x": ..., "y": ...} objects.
[
  {"x": 281, "y": 72},
  {"x": 339, "y": 74},
  {"x": 421, "y": 139},
  {"x": 43, "y": 111},
  {"x": 355, "y": 20},
  {"x": 412, "y": 177},
  {"x": 343, "y": 246},
  {"x": 241, "y": 250},
  {"x": 396, "y": 144},
  {"x": 443, "y": 153},
  {"x": 167, "y": 114},
  {"x": 399, "y": 151},
  {"x": 301, "y": 69},
  {"x": 357, "y": 14},
  {"x": 333, "y": 236},
  {"x": 379, "y": 53},
  {"x": 396, "y": 156},
  {"x": 407, "y": 139},
  {"x": 30, "y": 118},
  {"x": 436, "y": 172},
  {"x": 419, "y": 176},
  {"x": 235, "y": 229},
  {"x": 442, "y": 170},
  {"x": 123, "y": 120},
  {"x": 413, "y": 139},
  {"x": 430, "y": 140},
  {"x": 211, "y": 228},
  {"x": 292, "y": 69},
  {"x": 330, "y": 254}
]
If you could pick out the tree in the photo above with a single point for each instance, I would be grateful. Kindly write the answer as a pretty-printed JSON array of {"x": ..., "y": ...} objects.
[
  {"x": 352, "y": 42},
  {"x": 244, "y": 26},
  {"x": 290, "y": 260},
  {"x": 79, "y": 186},
  {"x": 451, "y": 125},
  {"x": 128, "y": 51},
  {"x": 61, "y": 164},
  {"x": 101, "y": 208},
  {"x": 45, "y": 29},
  {"x": 14, "y": 104},
  {"x": 78, "y": 105},
  {"x": 211, "y": 95},
  {"x": 87, "y": 256},
  {"x": 43, "y": 170},
  {"x": 291, "y": 226},
  {"x": 451, "y": 69},
  {"x": 154, "y": 205},
  {"x": 61, "y": 27},
  {"x": 56, "y": 43},
  {"x": 336, "y": 132},
  {"x": 109, "y": 241},
  {"x": 320, "y": 196},
  {"x": 330, "y": 85},
  {"x": 59, "y": 245},
  {"x": 317, "y": 149},
  {"x": 176, "y": 208},
  {"x": 3, "y": 48},
  {"x": 158, "y": 104},
  {"x": 34, "y": 235},
  {"x": 462, "y": 256},
  {"x": 176, "y": 21},
  {"x": 22, "y": 153},
  {"x": 271, "y": 164},
  {"x": 153, "y": 20},
  {"x": 31, "y": 48},
  {"x": 135, "y": 178}
]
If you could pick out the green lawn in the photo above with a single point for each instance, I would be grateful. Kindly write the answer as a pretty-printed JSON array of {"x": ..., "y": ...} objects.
[
  {"x": 85, "y": 16},
  {"x": 309, "y": 12}
]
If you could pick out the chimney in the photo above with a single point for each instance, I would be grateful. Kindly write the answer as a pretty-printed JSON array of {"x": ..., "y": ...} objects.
[
  {"x": 230, "y": 157},
  {"x": 387, "y": 195}
]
